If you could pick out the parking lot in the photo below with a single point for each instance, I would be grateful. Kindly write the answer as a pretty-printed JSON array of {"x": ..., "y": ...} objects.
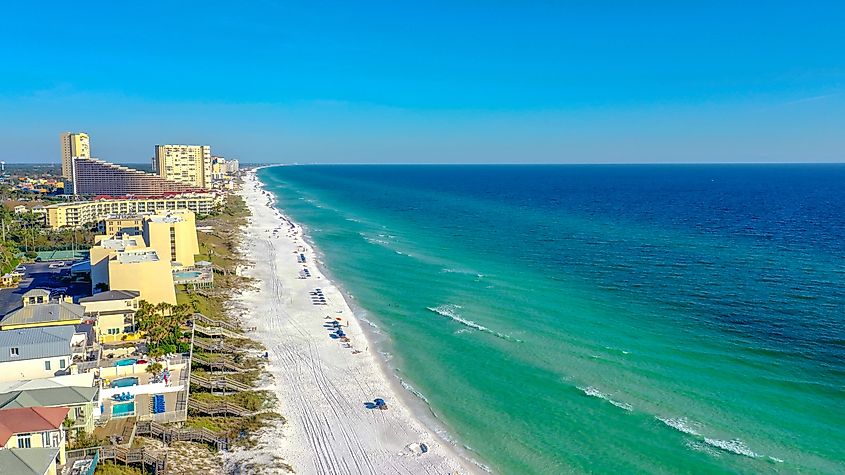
[{"x": 40, "y": 275}]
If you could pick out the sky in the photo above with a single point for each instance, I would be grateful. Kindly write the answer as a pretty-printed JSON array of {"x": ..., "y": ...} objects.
[{"x": 428, "y": 81}]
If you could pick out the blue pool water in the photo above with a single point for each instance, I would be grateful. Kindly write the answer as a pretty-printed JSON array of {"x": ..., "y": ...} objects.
[
  {"x": 123, "y": 410},
  {"x": 126, "y": 362},
  {"x": 186, "y": 275},
  {"x": 124, "y": 382}
]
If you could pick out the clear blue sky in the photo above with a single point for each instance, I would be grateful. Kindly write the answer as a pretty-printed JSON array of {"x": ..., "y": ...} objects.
[{"x": 428, "y": 81}]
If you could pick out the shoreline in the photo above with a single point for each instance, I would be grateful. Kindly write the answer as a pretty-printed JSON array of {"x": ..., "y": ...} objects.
[{"x": 323, "y": 384}]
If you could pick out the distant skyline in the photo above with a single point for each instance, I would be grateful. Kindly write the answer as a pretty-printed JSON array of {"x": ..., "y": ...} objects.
[{"x": 428, "y": 82}]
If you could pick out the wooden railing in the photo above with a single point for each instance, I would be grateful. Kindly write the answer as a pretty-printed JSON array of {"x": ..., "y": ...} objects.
[
  {"x": 200, "y": 318},
  {"x": 220, "y": 383},
  {"x": 218, "y": 331},
  {"x": 220, "y": 409},
  {"x": 123, "y": 455},
  {"x": 222, "y": 364},
  {"x": 217, "y": 346},
  {"x": 169, "y": 435}
]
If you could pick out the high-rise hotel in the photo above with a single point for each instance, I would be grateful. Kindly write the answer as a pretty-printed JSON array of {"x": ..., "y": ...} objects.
[
  {"x": 190, "y": 164},
  {"x": 90, "y": 176},
  {"x": 74, "y": 144}
]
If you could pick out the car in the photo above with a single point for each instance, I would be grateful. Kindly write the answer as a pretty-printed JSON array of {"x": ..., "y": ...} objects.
[{"x": 20, "y": 268}]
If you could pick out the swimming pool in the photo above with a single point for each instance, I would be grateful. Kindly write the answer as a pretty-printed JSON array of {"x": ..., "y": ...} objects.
[
  {"x": 126, "y": 362},
  {"x": 124, "y": 382},
  {"x": 186, "y": 275},
  {"x": 123, "y": 410}
]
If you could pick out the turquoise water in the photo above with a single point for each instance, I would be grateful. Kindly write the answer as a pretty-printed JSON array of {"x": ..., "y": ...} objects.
[
  {"x": 124, "y": 382},
  {"x": 123, "y": 409},
  {"x": 606, "y": 319},
  {"x": 186, "y": 275},
  {"x": 125, "y": 362}
]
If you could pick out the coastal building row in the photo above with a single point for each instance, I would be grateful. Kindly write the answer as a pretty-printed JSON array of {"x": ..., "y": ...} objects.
[
  {"x": 84, "y": 213},
  {"x": 97, "y": 177},
  {"x": 178, "y": 169}
]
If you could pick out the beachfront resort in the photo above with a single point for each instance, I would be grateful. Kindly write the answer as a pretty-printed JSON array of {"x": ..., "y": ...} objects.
[{"x": 118, "y": 353}]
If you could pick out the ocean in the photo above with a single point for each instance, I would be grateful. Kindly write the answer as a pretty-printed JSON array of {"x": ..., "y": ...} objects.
[{"x": 600, "y": 319}]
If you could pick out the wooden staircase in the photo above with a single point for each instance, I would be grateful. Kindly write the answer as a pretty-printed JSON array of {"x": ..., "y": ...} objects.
[
  {"x": 221, "y": 409},
  {"x": 221, "y": 382},
  {"x": 170, "y": 434}
]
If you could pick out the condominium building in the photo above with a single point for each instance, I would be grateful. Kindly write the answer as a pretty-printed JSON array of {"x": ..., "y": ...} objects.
[
  {"x": 222, "y": 168},
  {"x": 98, "y": 177},
  {"x": 84, "y": 213},
  {"x": 127, "y": 266},
  {"x": 173, "y": 234},
  {"x": 190, "y": 164},
  {"x": 73, "y": 145}
]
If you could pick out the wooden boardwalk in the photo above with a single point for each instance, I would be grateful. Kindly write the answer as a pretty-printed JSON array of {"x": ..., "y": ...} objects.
[
  {"x": 219, "y": 382},
  {"x": 168, "y": 435},
  {"x": 220, "y": 409}
]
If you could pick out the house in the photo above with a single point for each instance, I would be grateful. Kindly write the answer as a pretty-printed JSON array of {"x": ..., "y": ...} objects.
[
  {"x": 32, "y": 428},
  {"x": 78, "y": 400},
  {"x": 40, "y": 352},
  {"x": 113, "y": 313},
  {"x": 38, "y": 461},
  {"x": 39, "y": 310}
]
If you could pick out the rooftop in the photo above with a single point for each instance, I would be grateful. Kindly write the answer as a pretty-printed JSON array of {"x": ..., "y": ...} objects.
[
  {"x": 167, "y": 218},
  {"x": 111, "y": 295},
  {"x": 30, "y": 419},
  {"x": 48, "y": 397},
  {"x": 39, "y": 313},
  {"x": 34, "y": 461},
  {"x": 32, "y": 343},
  {"x": 118, "y": 244},
  {"x": 137, "y": 256}
]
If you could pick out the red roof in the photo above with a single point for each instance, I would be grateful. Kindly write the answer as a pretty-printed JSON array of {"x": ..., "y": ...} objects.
[{"x": 30, "y": 419}]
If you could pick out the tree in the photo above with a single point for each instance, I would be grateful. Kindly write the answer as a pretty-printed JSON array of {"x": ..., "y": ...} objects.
[
  {"x": 154, "y": 368},
  {"x": 162, "y": 326}
]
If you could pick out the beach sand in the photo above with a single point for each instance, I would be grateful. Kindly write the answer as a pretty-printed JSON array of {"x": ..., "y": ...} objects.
[{"x": 322, "y": 386}]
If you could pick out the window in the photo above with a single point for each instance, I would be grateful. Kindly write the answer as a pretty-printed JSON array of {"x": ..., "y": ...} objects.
[
  {"x": 24, "y": 441},
  {"x": 14, "y": 352},
  {"x": 62, "y": 363},
  {"x": 47, "y": 365}
]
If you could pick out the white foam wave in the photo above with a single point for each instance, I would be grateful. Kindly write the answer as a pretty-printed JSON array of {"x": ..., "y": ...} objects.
[
  {"x": 680, "y": 424},
  {"x": 416, "y": 393},
  {"x": 450, "y": 311},
  {"x": 736, "y": 446},
  {"x": 593, "y": 392}
]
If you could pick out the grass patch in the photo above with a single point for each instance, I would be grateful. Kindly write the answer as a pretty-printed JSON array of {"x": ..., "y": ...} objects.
[
  {"x": 249, "y": 400},
  {"x": 111, "y": 468}
]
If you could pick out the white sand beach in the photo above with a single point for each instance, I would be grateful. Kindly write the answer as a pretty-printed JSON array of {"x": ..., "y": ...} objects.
[{"x": 323, "y": 383}]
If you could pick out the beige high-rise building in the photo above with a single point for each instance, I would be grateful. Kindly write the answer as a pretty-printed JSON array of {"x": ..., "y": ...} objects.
[
  {"x": 173, "y": 234},
  {"x": 189, "y": 164},
  {"x": 73, "y": 145}
]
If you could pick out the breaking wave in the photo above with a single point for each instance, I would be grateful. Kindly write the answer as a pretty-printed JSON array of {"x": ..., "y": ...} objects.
[
  {"x": 451, "y": 311},
  {"x": 593, "y": 392},
  {"x": 734, "y": 446}
]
